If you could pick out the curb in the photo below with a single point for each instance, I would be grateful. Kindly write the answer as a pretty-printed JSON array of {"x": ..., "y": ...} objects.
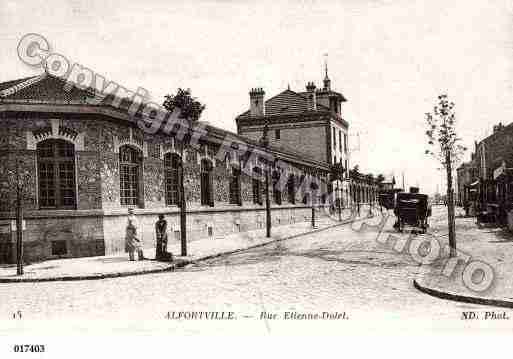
[
  {"x": 462, "y": 298},
  {"x": 171, "y": 267}
]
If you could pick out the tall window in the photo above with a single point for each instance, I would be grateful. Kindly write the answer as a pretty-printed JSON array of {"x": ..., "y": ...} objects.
[
  {"x": 257, "y": 185},
  {"x": 207, "y": 183},
  {"x": 276, "y": 189},
  {"x": 334, "y": 138},
  {"x": 56, "y": 169},
  {"x": 172, "y": 164},
  {"x": 130, "y": 160},
  {"x": 291, "y": 189},
  {"x": 345, "y": 142},
  {"x": 340, "y": 140},
  {"x": 235, "y": 186},
  {"x": 277, "y": 134}
]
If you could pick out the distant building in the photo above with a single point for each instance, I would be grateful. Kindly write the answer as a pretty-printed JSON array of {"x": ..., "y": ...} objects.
[
  {"x": 309, "y": 122},
  {"x": 493, "y": 170},
  {"x": 387, "y": 184}
]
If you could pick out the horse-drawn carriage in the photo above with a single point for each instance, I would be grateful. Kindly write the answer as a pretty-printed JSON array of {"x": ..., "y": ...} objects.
[
  {"x": 386, "y": 198},
  {"x": 412, "y": 209}
]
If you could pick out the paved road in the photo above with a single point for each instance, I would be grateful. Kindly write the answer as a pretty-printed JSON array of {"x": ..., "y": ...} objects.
[{"x": 339, "y": 270}]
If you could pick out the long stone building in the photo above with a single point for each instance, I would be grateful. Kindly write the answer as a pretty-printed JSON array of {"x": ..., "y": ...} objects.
[{"x": 84, "y": 162}]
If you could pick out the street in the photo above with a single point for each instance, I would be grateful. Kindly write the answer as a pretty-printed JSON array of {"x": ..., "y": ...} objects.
[{"x": 339, "y": 270}]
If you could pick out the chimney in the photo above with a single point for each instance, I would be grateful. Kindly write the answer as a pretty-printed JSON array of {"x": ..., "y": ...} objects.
[
  {"x": 257, "y": 105},
  {"x": 498, "y": 127},
  {"x": 311, "y": 100}
]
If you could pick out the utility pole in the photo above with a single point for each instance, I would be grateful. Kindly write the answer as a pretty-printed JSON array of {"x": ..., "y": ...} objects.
[
  {"x": 313, "y": 207},
  {"x": 183, "y": 210},
  {"x": 19, "y": 222},
  {"x": 267, "y": 204},
  {"x": 264, "y": 142}
]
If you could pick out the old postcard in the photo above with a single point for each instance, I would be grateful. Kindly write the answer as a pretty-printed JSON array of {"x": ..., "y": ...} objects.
[{"x": 319, "y": 168}]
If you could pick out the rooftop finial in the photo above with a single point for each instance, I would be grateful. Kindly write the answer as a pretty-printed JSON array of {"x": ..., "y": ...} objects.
[
  {"x": 326, "y": 81},
  {"x": 326, "y": 65}
]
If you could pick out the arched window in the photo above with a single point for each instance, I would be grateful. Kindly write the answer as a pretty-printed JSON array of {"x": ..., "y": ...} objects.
[
  {"x": 172, "y": 164},
  {"x": 130, "y": 168},
  {"x": 276, "y": 189},
  {"x": 207, "y": 194},
  {"x": 305, "y": 191},
  {"x": 291, "y": 189},
  {"x": 257, "y": 185},
  {"x": 56, "y": 174},
  {"x": 235, "y": 186},
  {"x": 314, "y": 187}
]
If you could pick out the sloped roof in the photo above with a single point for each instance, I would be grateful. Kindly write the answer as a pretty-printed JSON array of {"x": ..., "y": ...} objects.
[
  {"x": 45, "y": 88},
  {"x": 51, "y": 90},
  {"x": 287, "y": 102},
  {"x": 11, "y": 83},
  {"x": 290, "y": 103}
]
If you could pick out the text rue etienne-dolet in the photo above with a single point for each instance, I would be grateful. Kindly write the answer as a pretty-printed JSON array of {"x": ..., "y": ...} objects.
[
  {"x": 292, "y": 315},
  {"x": 304, "y": 316}
]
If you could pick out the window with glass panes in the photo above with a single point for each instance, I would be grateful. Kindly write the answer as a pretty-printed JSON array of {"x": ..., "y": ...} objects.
[
  {"x": 129, "y": 174},
  {"x": 257, "y": 185},
  {"x": 235, "y": 186},
  {"x": 276, "y": 189},
  {"x": 172, "y": 164},
  {"x": 291, "y": 189},
  {"x": 56, "y": 174},
  {"x": 207, "y": 194}
]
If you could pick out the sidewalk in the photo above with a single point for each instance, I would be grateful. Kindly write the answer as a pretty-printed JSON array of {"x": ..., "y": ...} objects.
[
  {"x": 118, "y": 265},
  {"x": 493, "y": 246}
]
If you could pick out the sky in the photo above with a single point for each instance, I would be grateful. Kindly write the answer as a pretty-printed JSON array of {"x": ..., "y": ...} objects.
[{"x": 390, "y": 59}]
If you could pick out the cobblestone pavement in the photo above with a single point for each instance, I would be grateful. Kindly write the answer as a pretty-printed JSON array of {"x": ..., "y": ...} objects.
[{"x": 341, "y": 269}]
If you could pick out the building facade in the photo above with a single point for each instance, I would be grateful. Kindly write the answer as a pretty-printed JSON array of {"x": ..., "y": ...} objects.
[
  {"x": 82, "y": 160},
  {"x": 490, "y": 172},
  {"x": 310, "y": 123},
  {"x": 85, "y": 162}
]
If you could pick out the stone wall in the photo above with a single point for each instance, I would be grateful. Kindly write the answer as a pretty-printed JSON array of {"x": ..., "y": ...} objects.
[
  {"x": 80, "y": 236},
  {"x": 222, "y": 222}
]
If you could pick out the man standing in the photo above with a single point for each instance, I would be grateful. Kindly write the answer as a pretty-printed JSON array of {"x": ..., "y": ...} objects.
[{"x": 161, "y": 234}]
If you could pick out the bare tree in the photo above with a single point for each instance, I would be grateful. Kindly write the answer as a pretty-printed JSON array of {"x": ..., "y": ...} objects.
[
  {"x": 19, "y": 179},
  {"x": 446, "y": 147}
]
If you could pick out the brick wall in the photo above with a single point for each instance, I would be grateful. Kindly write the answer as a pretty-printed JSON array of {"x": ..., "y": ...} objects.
[
  {"x": 497, "y": 147},
  {"x": 309, "y": 140}
]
